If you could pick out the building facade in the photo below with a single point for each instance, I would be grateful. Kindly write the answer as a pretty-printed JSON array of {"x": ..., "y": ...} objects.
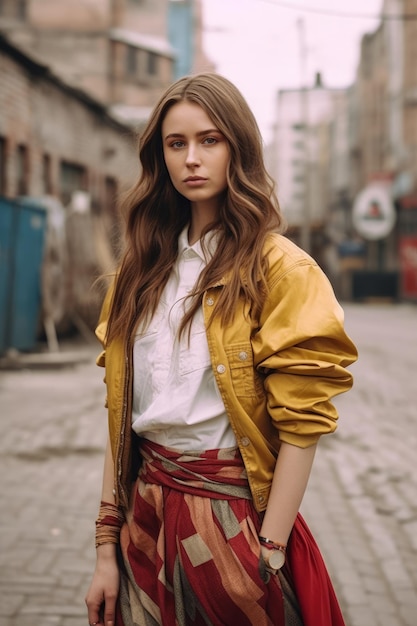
[
  {"x": 384, "y": 146},
  {"x": 298, "y": 159},
  {"x": 61, "y": 149},
  {"x": 56, "y": 139},
  {"x": 330, "y": 146},
  {"x": 124, "y": 53},
  {"x": 77, "y": 81},
  {"x": 117, "y": 51}
]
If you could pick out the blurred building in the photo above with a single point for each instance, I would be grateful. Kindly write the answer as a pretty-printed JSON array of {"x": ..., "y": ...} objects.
[
  {"x": 54, "y": 138},
  {"x": 384, "y": 150},
  {"x": 333, "y": 150},
  {"x": 299, "y": 158},
  {"x": 124, "y": 53},
  {"x": 60, "y": 152},
  {"x": 114, "y": 57},
  {"x": 185, "y": 33},
  {"x": 77, "y": 81}
]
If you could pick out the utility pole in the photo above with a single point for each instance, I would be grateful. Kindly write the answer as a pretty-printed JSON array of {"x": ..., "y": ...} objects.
[{"x": 305, "y": 232}]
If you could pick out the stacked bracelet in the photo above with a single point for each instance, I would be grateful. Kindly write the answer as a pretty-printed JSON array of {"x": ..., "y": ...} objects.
[
  {"x": 272, "y": 545},
  {"x": 108, "y": 524},
  {"x": 275, "y": 558}
]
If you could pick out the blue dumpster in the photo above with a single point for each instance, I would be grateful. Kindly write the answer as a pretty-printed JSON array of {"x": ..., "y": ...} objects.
[{"x": 22, "y": 238}]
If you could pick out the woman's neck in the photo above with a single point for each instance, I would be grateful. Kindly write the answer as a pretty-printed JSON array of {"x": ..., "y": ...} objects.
[{"x": 201, "y": 217}]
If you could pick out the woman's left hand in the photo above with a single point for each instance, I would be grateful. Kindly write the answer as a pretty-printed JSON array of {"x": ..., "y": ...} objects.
[{"x": 102, "y": 595}]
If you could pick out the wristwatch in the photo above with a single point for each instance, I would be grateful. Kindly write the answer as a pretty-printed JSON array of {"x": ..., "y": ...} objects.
[{"x": 274, "y": 558}]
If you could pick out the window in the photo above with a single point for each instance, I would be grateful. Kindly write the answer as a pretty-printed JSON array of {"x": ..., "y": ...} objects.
[
  {"x": 298, "y": 178},
  {"x": 152, "y": 65},
  {"x": 16, "y": 9},
  {"x": 110, "y": 191},
  {"x": 21, "y": 9},
  {"x": 22, "y": 171},
  {"x": 141, "y": 65},
  {"x": 73, "y": 177},
  {"x": 131, "y": 61},
  {"x": 46, "y": 174}
]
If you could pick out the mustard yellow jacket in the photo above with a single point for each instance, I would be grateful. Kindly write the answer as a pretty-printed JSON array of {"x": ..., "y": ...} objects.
[{"x": 276, "y": 374}]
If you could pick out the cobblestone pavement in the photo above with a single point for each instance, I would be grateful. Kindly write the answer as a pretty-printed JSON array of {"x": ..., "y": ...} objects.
[
  {"x": 361, "y": 502},
  {"x": 362, "y": 499}
]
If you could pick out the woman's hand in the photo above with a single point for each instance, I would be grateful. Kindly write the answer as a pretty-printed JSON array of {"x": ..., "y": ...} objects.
[{"x": 102, "y": 595}]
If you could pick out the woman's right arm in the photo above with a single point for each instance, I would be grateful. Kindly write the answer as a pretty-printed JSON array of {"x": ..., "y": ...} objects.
[{"x": 102, "y": 595}]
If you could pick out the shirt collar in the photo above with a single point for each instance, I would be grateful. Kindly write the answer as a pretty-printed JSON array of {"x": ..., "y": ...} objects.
[{"x": 210, "y": 240}]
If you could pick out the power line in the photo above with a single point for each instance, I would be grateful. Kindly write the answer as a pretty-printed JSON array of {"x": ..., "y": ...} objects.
[{"x": 404, "y": 17}]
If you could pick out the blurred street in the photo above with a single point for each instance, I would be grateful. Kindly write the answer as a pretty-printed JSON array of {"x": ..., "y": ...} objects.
[{"x": 361, "y": 502}]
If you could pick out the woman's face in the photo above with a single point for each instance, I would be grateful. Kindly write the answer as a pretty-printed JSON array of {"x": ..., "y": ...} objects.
[{"x": 196, "y": 155}]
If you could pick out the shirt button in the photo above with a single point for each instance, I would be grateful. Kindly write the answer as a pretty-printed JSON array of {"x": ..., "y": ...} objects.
[
  {"x": 221, "y": 368},
  {"x": 243, "y": 355},
  {"x": 114, "y": 492},
  {"x": 210, "y": 301},
  {"x": 245, "y": 441}
]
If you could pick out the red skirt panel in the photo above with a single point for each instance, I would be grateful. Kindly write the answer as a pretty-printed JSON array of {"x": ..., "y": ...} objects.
[{"x": 190, "y": 554}]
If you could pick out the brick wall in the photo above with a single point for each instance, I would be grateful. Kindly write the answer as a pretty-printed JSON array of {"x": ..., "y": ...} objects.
[
  {"x": 49, "y": 119},
  {"x": 77, "y": 15},
  {"x": 54, "y": 141}
]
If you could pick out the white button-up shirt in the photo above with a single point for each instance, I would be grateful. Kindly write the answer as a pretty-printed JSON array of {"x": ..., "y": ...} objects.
[{"x": 176, "y": 402}]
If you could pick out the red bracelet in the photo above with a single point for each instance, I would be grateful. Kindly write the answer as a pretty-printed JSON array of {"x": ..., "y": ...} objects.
[{"x": 108, "y": 524}]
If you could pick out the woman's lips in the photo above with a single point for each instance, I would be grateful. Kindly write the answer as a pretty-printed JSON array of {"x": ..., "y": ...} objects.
[{"x": 195, "y": 181}]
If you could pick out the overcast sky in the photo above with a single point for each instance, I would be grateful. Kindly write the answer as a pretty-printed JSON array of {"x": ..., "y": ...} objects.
[{"x": 257, "y": 44}]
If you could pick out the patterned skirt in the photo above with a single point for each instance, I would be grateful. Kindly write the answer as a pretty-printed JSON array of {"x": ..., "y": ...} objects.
[{"x": 190, "y": 554}]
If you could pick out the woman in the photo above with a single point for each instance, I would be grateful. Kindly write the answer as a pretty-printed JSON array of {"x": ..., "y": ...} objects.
[{"x": 224, "y": 345}]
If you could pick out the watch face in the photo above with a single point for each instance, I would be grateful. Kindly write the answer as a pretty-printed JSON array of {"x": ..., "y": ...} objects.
[{"x": 276, "y": 559}]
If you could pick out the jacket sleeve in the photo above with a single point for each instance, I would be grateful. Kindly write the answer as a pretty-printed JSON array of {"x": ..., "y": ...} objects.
[
  {"x": 101, "y": 330},
  {"x": 302, "y": 350}
]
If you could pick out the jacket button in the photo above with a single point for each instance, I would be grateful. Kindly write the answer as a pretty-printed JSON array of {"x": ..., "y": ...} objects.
[
  {"x": 221, "y": 368},
  {"x": 245, "y": 441},
  {"x": 210, "y": 301},
  {"x": 243, "y": 355},
  {"x": 261, "y": 499}
]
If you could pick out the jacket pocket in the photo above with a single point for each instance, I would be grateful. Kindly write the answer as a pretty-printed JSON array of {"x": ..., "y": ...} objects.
[{"x": 246, "y": 382}]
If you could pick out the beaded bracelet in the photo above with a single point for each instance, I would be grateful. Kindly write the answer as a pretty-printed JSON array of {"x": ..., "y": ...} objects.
[{"x": 108, "y": 524}]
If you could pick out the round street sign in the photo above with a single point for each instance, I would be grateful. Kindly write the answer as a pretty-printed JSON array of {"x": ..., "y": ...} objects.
[{"x": 373, "y": 213}]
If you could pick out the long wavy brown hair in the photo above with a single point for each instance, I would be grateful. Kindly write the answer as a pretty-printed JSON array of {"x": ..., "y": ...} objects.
[{"x": 155, "y": 214}]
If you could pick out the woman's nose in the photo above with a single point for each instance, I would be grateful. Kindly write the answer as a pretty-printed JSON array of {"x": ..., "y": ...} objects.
[{"x": 192, "y": 155}]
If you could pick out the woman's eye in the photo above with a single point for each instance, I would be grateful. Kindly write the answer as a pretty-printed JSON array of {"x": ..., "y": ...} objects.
[
  {"x": 210, "y": 140},
  {"x": 177, "y": 144}
]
